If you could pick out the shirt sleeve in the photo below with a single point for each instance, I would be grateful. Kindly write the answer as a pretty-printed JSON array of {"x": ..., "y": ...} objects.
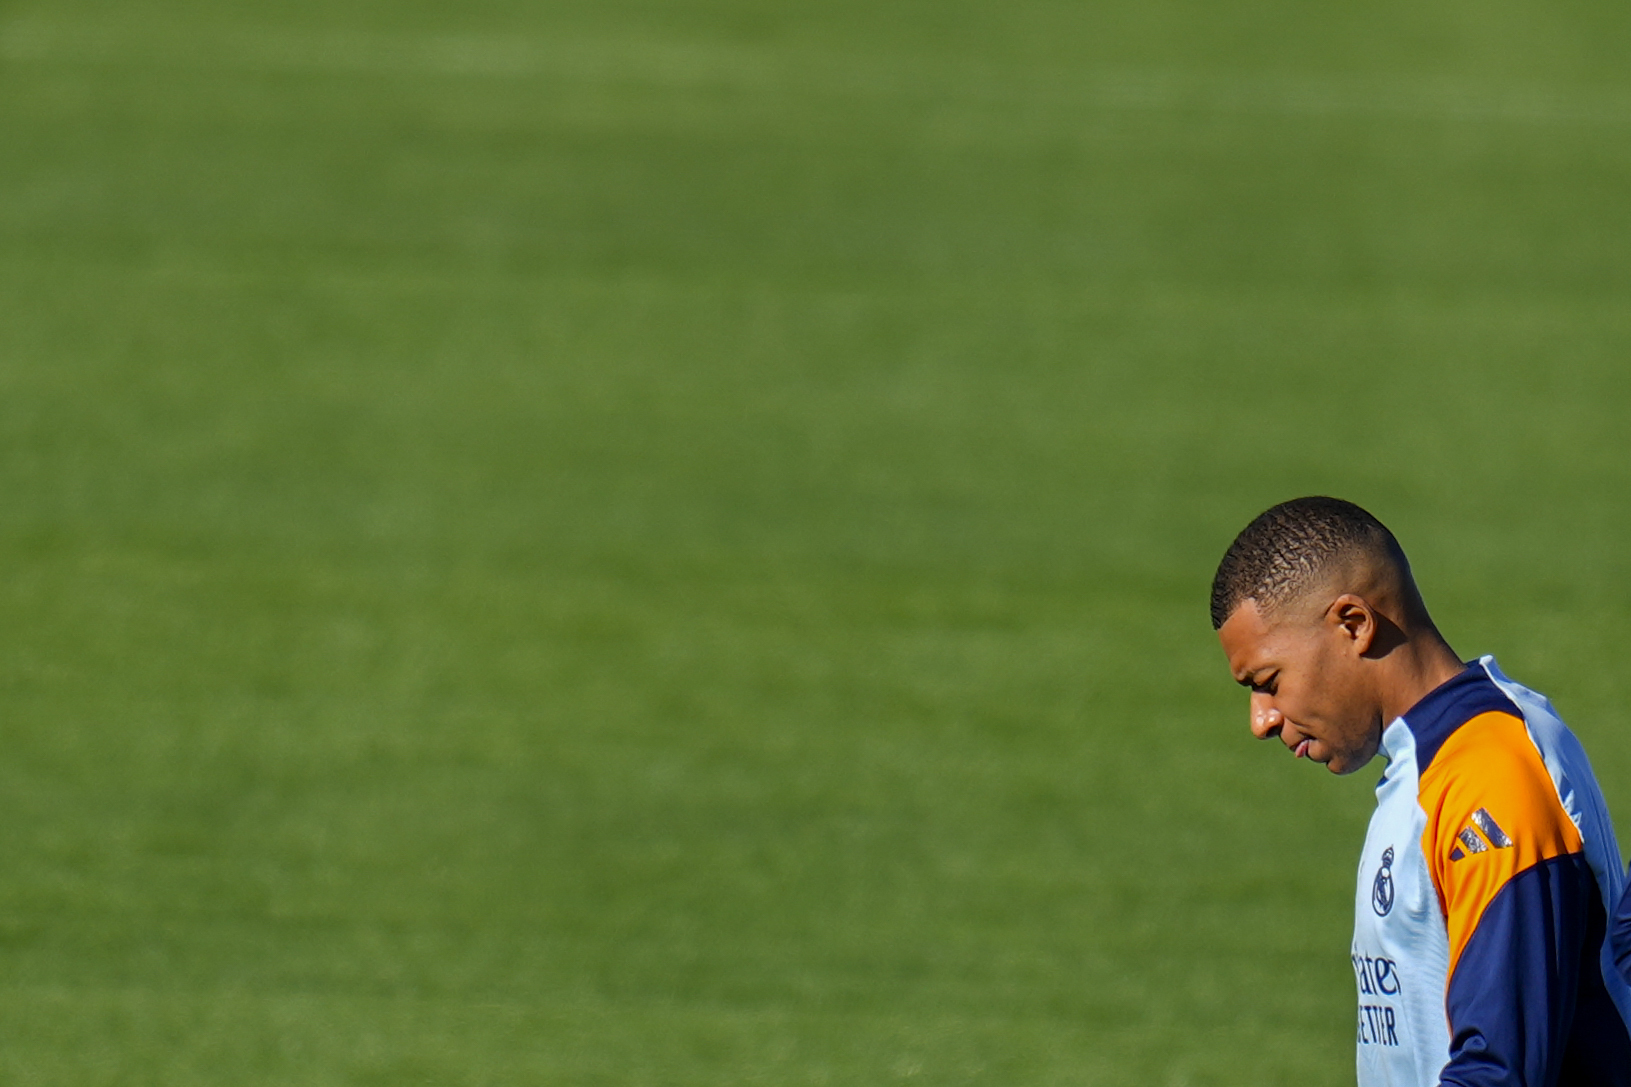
[
  {"x": 1516, "y": 893},
  {"x": 1620, "y": 935}
]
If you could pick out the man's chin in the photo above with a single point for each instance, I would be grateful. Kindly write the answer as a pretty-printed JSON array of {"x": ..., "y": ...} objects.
[{"x": 1343, "y": 765}]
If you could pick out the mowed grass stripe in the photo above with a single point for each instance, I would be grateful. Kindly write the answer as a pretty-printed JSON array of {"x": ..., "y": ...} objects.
[
  {"x": 788, "y": 70},
  {"x": 412, "y": 1040}
]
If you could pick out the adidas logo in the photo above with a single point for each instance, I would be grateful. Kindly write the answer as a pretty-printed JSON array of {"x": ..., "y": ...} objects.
[{"x": 1469, "y": 838}]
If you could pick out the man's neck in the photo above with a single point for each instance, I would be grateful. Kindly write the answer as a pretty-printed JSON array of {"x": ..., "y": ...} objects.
[{"x": 1423, "y": 663}]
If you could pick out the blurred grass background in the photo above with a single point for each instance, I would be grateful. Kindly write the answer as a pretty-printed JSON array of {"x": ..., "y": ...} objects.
[{"x": 666, "y": 542}]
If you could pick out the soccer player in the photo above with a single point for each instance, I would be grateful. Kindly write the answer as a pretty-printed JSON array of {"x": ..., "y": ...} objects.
[{"x": 1490, "y": 870}]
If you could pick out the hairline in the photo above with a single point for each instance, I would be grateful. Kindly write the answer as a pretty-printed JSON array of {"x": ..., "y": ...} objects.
[{"x": 1338, "y": 570}]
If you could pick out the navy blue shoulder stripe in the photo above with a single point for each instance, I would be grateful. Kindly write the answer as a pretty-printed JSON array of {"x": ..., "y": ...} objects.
[{"x": 1449, "y": 706}]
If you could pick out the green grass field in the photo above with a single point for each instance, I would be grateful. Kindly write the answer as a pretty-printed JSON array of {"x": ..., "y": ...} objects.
[{"x": 665, "y": 542}]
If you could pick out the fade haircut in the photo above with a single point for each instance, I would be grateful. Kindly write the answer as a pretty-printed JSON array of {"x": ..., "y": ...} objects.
[{"x": 1287, "y": 548}]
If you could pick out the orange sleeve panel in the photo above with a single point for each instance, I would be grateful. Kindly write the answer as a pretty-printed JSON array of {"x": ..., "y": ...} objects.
[{"x": 1492, "y": 812}]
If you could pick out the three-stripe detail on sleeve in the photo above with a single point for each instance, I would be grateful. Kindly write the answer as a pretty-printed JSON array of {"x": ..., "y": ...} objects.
[{"x": 1470, "y": 840}]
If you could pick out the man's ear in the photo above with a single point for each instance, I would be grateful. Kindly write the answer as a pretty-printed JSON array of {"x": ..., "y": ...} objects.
[{"x": 1355, "y": 619}]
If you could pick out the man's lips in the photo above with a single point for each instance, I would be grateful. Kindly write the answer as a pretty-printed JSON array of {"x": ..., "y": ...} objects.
[{"x": 1301, "y": 750}]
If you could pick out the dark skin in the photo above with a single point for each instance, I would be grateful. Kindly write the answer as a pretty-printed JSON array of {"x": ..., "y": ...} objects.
[{"x": 1331, "y": 668}]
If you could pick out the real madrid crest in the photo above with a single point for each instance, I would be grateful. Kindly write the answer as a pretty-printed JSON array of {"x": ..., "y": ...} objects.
[{"x": 1381, "y": 891}]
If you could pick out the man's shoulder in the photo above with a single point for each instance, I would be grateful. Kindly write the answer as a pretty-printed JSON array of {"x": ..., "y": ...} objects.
[
  {"x": 1489, "y": 791},
  {"x": 1490, "y": 753}
]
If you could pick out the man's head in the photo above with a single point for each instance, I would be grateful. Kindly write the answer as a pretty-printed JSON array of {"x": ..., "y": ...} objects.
[{"x": 1313, "y": 603}]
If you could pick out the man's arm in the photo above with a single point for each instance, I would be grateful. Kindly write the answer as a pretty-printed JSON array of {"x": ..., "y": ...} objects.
[
  {"x": 1511, "y": 999},
  {"x": 1620, "y": 934},
  {"x": 1516, "y": 893}
]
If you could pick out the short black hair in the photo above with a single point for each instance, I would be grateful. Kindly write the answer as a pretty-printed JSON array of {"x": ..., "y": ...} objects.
[{"x": 1288, "y": 546}]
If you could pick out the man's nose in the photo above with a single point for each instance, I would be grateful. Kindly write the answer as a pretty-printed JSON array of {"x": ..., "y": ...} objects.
[{"x": 1266, "y": 720}]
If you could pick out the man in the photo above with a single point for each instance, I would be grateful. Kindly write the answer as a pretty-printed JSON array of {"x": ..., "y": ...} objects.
[{"x": 1490, "y": 869}]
